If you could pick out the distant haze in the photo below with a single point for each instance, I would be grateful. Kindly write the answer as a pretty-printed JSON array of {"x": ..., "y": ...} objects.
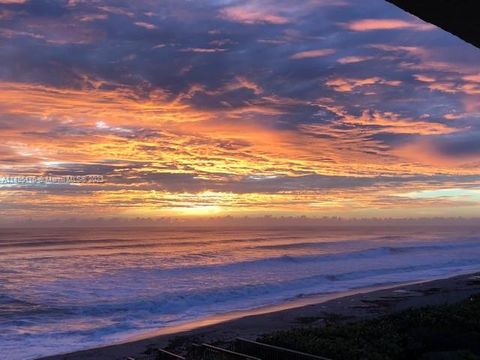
[{"x": 244, "y": 222}]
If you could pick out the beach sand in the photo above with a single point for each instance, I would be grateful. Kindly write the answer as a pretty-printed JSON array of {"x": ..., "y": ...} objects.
[{"x": 347, "y": 306}]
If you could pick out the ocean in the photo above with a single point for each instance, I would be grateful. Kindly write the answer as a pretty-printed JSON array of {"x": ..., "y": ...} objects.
[{"x": 68, "y": 289}]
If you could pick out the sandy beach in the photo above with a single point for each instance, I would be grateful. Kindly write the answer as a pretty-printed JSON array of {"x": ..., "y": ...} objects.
[{"x": 348, "y": 307}]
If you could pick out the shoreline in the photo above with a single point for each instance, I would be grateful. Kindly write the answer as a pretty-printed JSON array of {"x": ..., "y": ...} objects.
[
  {"x": 350, "y": 305},
  {"x": 263, "y": 310}
]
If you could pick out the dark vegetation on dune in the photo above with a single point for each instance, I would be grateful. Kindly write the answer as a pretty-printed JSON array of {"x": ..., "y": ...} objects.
[
  {"x": 437, "y": 332},
  {"x": 459, "y": 17}
]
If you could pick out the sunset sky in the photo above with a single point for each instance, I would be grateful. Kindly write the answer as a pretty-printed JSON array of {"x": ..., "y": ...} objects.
[{"x": 226, "y": 107}]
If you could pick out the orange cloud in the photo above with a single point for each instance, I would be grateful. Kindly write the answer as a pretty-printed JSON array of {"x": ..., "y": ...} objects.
[
  {"x": 348, "y": 85},
  {"x": 93, "y": 104},
  {"x": 354, "y": 59},
  {"x": 452, "y": 87},
  {"x": 472, "y": 78},
  {"x": 201, "y": 141},
  {"x": 394, "y": 124},
  {"x": 251, "y": 14},
  {"x": 387, "y": 24},
  {"x": 145, "y": 25},
  {"x": 312, "y": 54},
  {"x": 424, "y": 152},
  {"x": 425, "y": 78}
]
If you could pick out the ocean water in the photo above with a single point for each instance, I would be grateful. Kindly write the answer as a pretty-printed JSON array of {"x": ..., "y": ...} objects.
[{"x": 68, "y": 289}]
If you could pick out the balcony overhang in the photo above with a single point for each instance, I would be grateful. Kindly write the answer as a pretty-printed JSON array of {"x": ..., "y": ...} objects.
[{"x": 459, "y": 17}]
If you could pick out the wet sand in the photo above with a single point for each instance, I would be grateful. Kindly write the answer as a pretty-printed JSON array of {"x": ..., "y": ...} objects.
[{"x": 309, "y": 311}]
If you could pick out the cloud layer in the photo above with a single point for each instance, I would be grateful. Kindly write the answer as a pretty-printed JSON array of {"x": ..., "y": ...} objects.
[{"x": 235, "y": 107}]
